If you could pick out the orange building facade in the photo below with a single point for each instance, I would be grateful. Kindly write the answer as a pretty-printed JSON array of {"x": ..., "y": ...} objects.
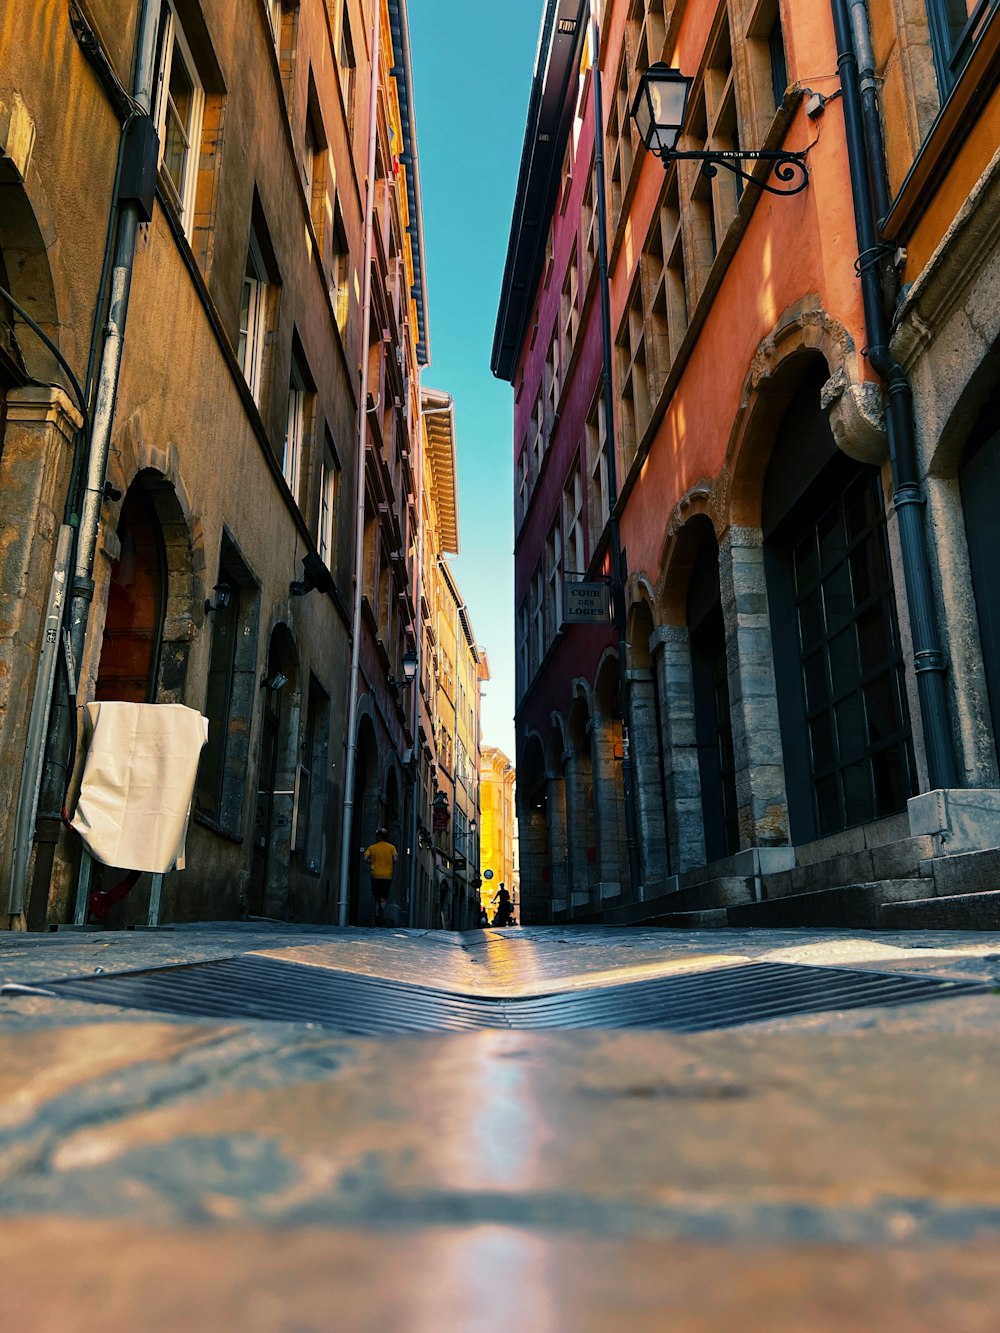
[{"x": 773, "y": 711}]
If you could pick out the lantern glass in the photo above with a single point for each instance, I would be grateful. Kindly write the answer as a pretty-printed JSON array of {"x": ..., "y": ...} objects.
[
  {"x": 660, "y": 106},
  {"x": 409, "y": 665}
]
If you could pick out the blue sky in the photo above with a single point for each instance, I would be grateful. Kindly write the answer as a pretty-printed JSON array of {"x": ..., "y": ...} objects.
[{"x": 472, "y": 66}]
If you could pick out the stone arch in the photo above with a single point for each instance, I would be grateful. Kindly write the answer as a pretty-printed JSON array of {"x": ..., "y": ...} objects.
[
  {"x": 271, "y": 871},
  {"x": 27, "y": 240},
  {"x": 532, "y": 805},
  {"x": 181, "y": 612},
  {"x": 366, "y": 812},
  {"x": 609, "y": 795},
  {"x": 685, "y": 535},
  {"x": 645, "y": 736},
  {"x": 804, "y": 334},
  {"x": 582, "y": 872}
]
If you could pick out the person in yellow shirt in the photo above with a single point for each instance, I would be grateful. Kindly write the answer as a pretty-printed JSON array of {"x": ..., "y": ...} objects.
[{"x": 382, "y": 857}]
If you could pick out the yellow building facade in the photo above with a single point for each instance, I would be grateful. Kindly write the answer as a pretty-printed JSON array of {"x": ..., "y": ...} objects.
[{"x": 497, "y": 795}]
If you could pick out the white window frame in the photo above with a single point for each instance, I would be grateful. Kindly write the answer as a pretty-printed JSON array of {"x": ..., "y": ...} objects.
[
  {"x": 274, "y": 8},
  {"x": 295, "y": 431},
  {"x": 253, "y": 330},
  {"x": 328, "y": 482},
  {"x": 172, "y": 42}
]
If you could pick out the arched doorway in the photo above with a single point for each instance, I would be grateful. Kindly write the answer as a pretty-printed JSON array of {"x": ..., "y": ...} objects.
[
  {"x": 271, "y": 869},
  {"x": 533, "y": 829},
  {"x": 581, "y": 838},
  {"x": 365, "y": 820},
  {"x": 979, "y": 481},
  {"x": 133, "y": 625},
  {"x": 646, "y": 733},
  {"x": 838, "y": 662},
  {"x": 394, "y": 831},
  {"x": 712, "y": 712},
  {"x": 609, "y": 787}
]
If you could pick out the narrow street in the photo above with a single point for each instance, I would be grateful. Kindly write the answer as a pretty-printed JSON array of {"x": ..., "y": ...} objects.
[{"x": 830, "y": 1169}]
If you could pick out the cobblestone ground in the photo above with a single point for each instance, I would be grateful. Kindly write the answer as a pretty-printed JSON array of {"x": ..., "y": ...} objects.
[{"x": 824, "y": 1172}]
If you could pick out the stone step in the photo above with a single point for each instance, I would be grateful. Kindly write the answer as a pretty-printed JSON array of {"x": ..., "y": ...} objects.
[
  {"x": 966, "y": 872},
  {"x": 959, "y": 911},
  {"x": 852, "y": 905},
  {"x": 894, "y": 860},
  {"x": 713, "y": 919},
  {"x": 712, "y": 894}
]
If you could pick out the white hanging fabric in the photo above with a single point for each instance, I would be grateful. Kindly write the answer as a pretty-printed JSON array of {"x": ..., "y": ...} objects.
[{"x": 138, "y": 783}]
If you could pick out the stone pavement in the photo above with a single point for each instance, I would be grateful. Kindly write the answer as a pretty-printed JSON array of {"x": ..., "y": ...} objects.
[{"x": 831, "y": 1171}]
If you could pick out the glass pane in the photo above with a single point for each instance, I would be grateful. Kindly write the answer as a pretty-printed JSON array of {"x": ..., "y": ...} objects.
[
  {"x": 881, "y": 708},
  {"x": 810, "y": 620},
  {"x": 861, "y": 506},
  {"x": 817, "y": 692},
  {"x": 832, "y": 538},
  {"x": 806, "y": 564},
  {"x": 175, "y": 151},
  {"x": 838, "y": 598},
  {"x": 868, "y": 567},
  {"x": 892, "y": 780},
  {"x": 851, "y": 736},
  {"x": 873, "y": 638},
  {"x": 821, "y": 735},
  {"x": 859, "y": 804},
  {"x": 843, "y": 661},
  {"x": 828, "y": 805}
]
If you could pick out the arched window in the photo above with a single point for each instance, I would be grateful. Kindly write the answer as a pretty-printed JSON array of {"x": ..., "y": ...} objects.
[{"x": 838, "y": 663}]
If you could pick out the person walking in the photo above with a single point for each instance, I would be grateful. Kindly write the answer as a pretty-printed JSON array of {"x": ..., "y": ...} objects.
[{"x": 382, "y": 857}]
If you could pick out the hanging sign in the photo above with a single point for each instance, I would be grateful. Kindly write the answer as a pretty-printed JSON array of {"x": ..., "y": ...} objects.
[{"x": 585, "y": 604}]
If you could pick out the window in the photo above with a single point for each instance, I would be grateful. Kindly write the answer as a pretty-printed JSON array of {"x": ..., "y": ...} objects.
[
  {"x": 523, "y": 648},
  {"x": 274, "y": 18},
  {"x": 522, "y": 483},
  {"x": 314, "y": 167},
  {"x": 179, "y": 110},
  {"x": 954, "y": 26},
  {"x": 554, "y": 580},
  {"x": 778, "y": 63},
  {"x": 646, "y": 33},
  {"x": 230, "y": 694},
  {"x": 538, "y": 438},
  {"x": 576, "y": 555},
  {"x": 569, "y": 313},
  {"x": 346, "y": 68},
  {"x": 633, "y": 384},
  {"x": 329, "y": 485},
  {"x": 253, "y": 318},
  {"x": 620, "y": 146},
  {"x": 597, "y": 463},
  {"x": 340, "y": 261},
  {"x": 552, "y": 387},
  {"x": 297, "y": 424},
  {"x": 589, "y": 229},
  {"x": 537, "y": 616},
  {"x": 664, "y": 290}
]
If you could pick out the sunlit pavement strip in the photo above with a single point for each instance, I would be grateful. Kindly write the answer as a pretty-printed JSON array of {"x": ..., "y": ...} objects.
[{"x": 827, "y": 1172}]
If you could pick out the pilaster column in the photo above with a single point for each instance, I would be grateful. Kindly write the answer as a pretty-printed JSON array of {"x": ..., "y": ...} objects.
[
  {"x": 36, "y": 454},
  {"x": 760, "y": 771},
  {"x": 671, "y": 649},
  {"x": 649, "y": 794},
  {"x": 609, "y": 813},
  {"x": 555, "y": 788}
]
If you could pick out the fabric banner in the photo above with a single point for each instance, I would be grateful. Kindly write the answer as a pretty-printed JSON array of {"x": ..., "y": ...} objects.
[{"x": 138, "y": 783}]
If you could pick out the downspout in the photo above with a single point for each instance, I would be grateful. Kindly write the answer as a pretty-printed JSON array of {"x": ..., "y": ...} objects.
[
  {"x": 359, "y": 528},
  {"x": 418, "y": 647},
  {"x": 929, "y": 664},
  {"x": 109, "y": 370},
  {"x": 617, "y": 579}
]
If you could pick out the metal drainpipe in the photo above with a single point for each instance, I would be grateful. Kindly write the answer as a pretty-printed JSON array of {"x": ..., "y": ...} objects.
[
  {"x": 617, "y": 582},
  {"x": 929, "y": 662},
  {"x": 111, "y": 355},
  {"x": 359, "y": 531},
  {"x": 418, "y": 645}
]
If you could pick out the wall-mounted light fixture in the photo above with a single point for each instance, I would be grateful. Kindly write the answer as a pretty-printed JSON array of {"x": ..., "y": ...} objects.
[
  {"x": 276, "y": 682},
  {"x": 659, "y": 111},
  {"x": 223, "y": 596}
]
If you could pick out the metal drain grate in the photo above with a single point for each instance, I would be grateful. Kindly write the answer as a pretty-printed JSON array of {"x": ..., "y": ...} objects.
[{"x": 252, "y": 986}]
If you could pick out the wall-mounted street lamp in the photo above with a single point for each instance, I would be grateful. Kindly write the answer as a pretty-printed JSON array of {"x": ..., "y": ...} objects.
[
  {"x": 223, "y": 596},
  {"x": 274, "y": 683},
  {"x": 409, "y": 671},
  {"x": 659, "y": 111}
]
